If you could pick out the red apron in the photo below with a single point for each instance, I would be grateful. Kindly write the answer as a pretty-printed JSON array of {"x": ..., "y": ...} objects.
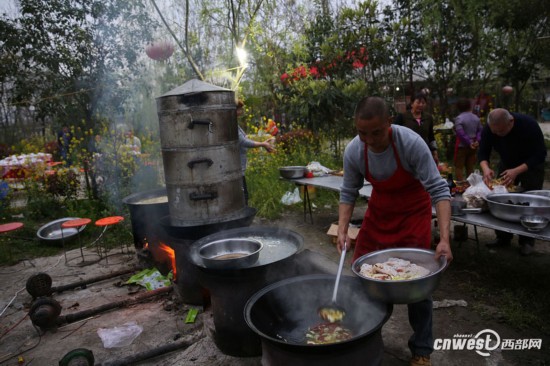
[{"x": 399, "y": 212}]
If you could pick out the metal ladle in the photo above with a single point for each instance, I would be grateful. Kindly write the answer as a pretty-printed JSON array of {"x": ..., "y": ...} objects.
[{"x": 333, "y": 312}]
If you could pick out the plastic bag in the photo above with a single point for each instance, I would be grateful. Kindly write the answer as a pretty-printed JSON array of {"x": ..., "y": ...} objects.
[
  {"x": 290, "y": 198},
  {"x": 317, "y": 169},
  {"x": 499, "y": 189},
  {"x": 120, "y": 336},
  {"x": 151, "y": 279},
  {"x": 475, "y": 194}
]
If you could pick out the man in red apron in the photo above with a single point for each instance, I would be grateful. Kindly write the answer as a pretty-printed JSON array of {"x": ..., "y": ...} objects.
[{"x": 405, "y": 181}]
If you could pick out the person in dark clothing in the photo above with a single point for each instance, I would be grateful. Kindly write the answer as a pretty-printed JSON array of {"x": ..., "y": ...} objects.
[
  {"x": 519, "y": 141},
  {"x": 420, "y": 122}
]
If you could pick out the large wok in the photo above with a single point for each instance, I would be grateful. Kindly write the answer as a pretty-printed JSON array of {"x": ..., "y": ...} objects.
[{"x": 282, "y": 312}]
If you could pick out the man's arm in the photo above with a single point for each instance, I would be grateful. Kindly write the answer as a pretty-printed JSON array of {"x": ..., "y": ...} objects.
[
  {"x": 443, "y": 212},
  {"x": 509, "y": 175},
  {"x": 345, "y": 211},
  {"x": 349, "y": 191}
]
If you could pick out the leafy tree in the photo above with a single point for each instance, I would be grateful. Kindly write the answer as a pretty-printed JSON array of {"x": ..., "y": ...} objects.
[
  {"x": 72, "y": 59},
  {"x": 403, "y": 23},
  {"x": 518, "y": 25}
]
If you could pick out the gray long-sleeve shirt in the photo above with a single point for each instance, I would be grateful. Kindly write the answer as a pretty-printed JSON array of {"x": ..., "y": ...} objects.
[
  {"x": 415, "y": 157},
  {"x": 244, "y": 144}
]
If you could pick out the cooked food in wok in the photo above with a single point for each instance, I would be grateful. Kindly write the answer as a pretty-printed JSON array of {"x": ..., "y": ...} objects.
[
  {"x": 326, "y": 333},
  {"x": 331, "y": 314},
  {"x": 394, "y": 269}
]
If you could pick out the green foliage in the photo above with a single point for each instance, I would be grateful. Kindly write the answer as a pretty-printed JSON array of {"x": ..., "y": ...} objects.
[
  {"x": 293, "y": 141},
  {"x": 266, "y": 189},
  {"x": 63, "y": 183},
  {"x": 40, "y": 205},
  {"x": 71, "y": 59}
]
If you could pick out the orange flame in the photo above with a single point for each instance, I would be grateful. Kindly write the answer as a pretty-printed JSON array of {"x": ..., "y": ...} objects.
[
  {"x": 171, "y": 254},
  {"x": 146, "y": 245}
]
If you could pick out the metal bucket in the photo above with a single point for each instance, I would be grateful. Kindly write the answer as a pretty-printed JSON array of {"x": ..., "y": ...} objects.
[
  {"x": 145, "y": 209},
  {"x": 199, "y": 143}
]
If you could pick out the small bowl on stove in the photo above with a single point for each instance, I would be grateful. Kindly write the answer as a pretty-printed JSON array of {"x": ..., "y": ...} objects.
[
  {"x": 232, "y": 253},
  {"x": 534, "y": 223}
]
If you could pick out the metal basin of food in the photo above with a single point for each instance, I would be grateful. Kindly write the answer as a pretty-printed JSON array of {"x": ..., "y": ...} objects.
[
  {"x": 51, "y": 232},
  {"x": 233, "y": 253},
  {"x": 405, "y": 291},
  {"x": 511, "y": 206},
  {"x": 292, "y": 172}
]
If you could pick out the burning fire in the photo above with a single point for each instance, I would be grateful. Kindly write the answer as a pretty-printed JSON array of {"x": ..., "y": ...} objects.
[
  {"x": 146, "y": 245},
  {"x": 171, "y": 255}
]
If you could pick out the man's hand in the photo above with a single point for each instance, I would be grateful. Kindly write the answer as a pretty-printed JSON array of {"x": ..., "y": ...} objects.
[
  {"x": 509, "y": 176},
  {"x": 488, "y": 175},
  {"x": 267, "y": 146},
  {"x": 444, "y": 248}
]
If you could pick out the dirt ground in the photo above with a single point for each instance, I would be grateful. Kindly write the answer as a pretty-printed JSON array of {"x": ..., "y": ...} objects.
[{"x": 163, "y": 318}]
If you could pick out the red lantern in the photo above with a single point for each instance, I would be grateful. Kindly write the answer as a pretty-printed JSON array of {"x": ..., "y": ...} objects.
[
  {"x": 160, "y": 50},
  {"x": 507, "y": 89}
]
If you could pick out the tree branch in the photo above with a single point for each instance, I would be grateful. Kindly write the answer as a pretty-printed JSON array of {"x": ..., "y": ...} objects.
[{"x": 183, "y": 49}]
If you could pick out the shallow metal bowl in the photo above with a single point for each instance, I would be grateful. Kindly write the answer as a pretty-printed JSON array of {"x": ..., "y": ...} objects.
[
  {"x": 51, "y": 232},
  {"x": 511, "y": 206},
  {"x": 292, "y": 172},
  {"x": 406, "y": 291},
  {"x": 231, "y": 253},
  {"x": 534, "y": 223}
]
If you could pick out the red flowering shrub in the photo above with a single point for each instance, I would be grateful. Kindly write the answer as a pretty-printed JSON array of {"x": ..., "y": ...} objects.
[
  {"x": 284, "y": 78},
  {"x": 339, "y": 65}
]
